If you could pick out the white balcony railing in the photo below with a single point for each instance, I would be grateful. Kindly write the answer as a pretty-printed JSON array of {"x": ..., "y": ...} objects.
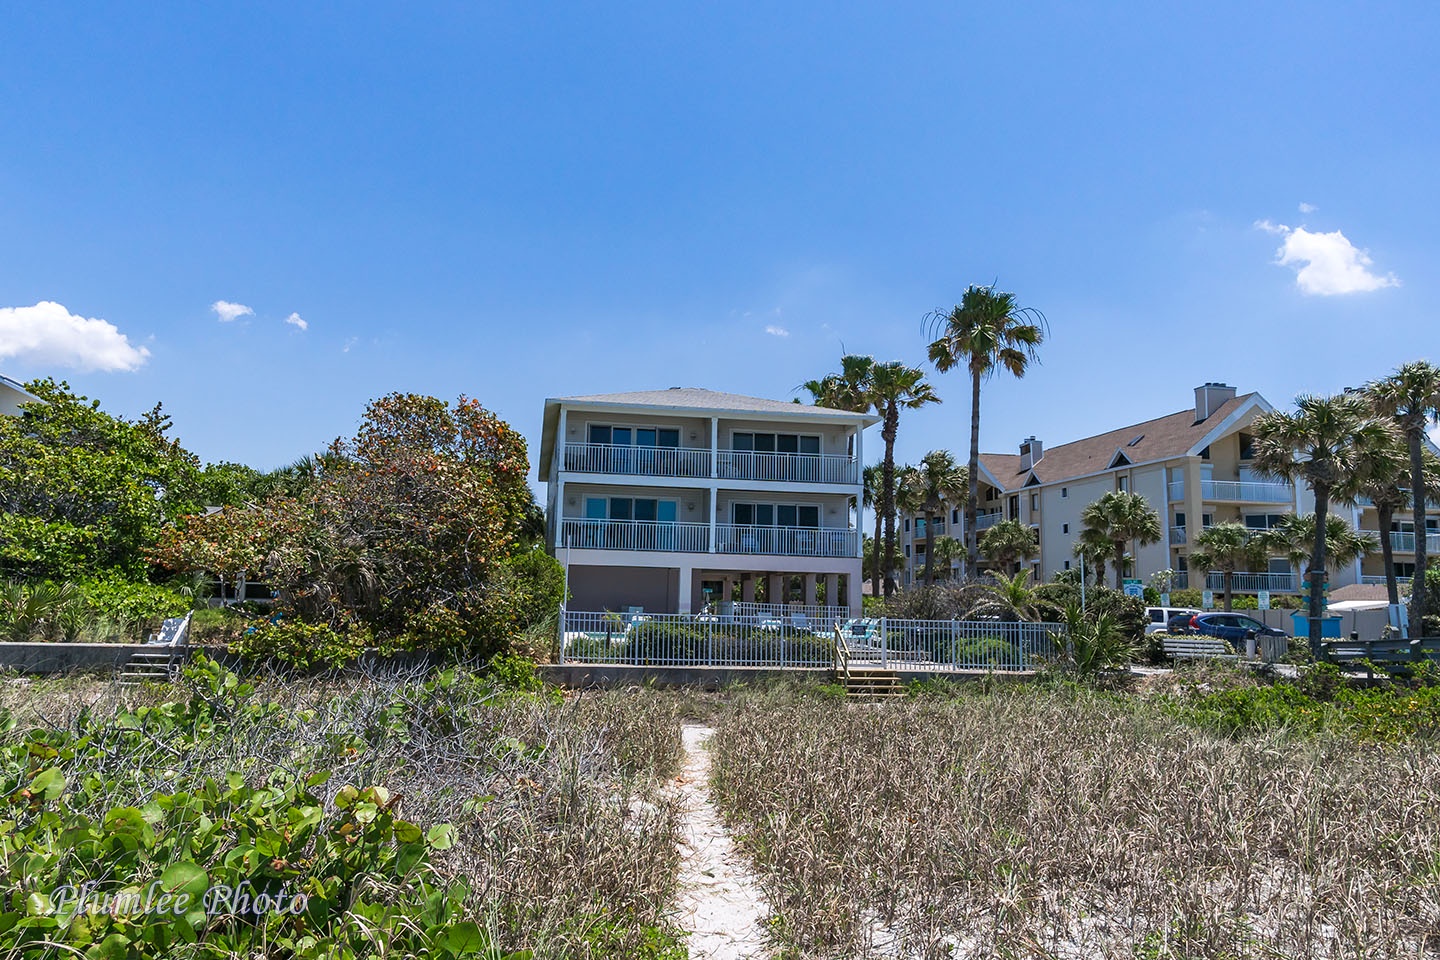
[
  {"x": 1242, "y": 582},
  {"x": 785, "y": 541},
  {"x": 984, "y": 521},
  {"x": 1372, "y": 579},
  {"x": 636, "y": 461},
  {"x": 788, "y": 467},
  {"x": 1405, "y": 542},
  {"x": 1177, "y": 535},
  {"x": 1237, "y": 491},
  {"x": 635, "y": 535}
]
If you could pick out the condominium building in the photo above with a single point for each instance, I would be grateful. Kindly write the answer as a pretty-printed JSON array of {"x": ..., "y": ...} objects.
[
  {"x": 674, "y": 500},
  {"x": 1195, "y": 466}
]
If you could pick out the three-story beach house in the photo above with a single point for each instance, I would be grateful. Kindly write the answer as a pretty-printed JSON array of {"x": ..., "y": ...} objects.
[{"x": 676, "y": 500}]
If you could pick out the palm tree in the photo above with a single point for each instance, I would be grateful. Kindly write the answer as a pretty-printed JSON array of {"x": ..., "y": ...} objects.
[
  {"x": 850, "y": 389},
  {"x": 871, "y": 478},
  {"x": 894, "y": 387},
  {"x": 1328, "y": 442},
  {"x": 1294, "y": 539},
  {"x": 1094, "y": 547},
  {"x": 1411, "y": 398},
  {"x": 1121, "y": 518},
  {"x": 986, "y": 331},
  {"x": 928, "y": 490},
  {"x": 946, "y": 551},
  {"x": 1226, "y": 547},
  {"x": 1008, "y": 541},
  {"x": 1388, "y": 487},
  {"x": 1013, "y": 598}
]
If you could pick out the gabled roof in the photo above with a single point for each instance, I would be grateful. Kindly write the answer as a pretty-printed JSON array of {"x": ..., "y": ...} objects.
[
  {"x": 15, "y": 385},
  {"x": 694, "y": 401},
  {"x": 1176, "y": 435}
]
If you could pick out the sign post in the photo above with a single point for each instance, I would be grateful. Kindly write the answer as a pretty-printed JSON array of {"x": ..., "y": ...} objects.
[
  {"x": 1134, "y": 588},
  {"x": 1262, "y": 599},
  {"x": 1207, "y": 600}
]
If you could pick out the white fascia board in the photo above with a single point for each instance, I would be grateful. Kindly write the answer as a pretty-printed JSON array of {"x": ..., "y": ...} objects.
[
  {"x": 802, "y": 413},
  {"x": 1224, "y": 427}
]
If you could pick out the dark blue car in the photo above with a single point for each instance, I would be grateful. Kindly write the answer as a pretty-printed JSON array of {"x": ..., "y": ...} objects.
[{"x": 1232, "y": 626}]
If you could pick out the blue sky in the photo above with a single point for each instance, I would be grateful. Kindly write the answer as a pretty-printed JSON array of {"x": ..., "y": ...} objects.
[{"x": 516, "y": 201}]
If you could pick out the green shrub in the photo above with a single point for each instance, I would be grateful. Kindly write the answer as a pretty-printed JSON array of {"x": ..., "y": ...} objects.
[
  {"x": 651, "y": 641},
  {"x": 1185, "y": 598},
  {"x": 515, "y": 673},
  {"x": 1127, "y": 614},
  {"x": 144, "y": 604},
  {"x": 301, "y": 645}
]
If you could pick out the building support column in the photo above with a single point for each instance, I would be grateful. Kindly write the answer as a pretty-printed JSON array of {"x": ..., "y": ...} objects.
[
  {"x": 687, "y": 584},
  {"x": 775, "y": 588},
  {"x": 1194, "y": 517},
  {"x": 747, "y": 588},
  {"x": 853, "y": 595},
  {"x": 832, "y": 589},
  {"x": 810, "y": 589}
]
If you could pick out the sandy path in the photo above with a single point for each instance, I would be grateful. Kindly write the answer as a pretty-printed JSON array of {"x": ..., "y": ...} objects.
[{"x": 720, "y": 903}]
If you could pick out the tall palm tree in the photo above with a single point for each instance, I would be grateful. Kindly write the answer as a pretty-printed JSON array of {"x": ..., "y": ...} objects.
[
  {"x": 1094, "y": 547},
  {"x": 1008, "y": 541},
  {"x": 986, "y": 331},
  {"x": 850, "y": 389},
  {"x": 946, "y": 551},
  {"x": 1294, "y": 539},
  {"x": 928, "y": 490},
  {"x": 1388, "y": 486},
  {"x": 894, "y": 387},
  {"x": 871, "y": 478},
  {"x": 1411, "y": 398},
  {"x": 1226, "y": 547},
  {"x": 1014, "y": 598},
  {"x": 1325, "y": 443},
  {"x": 1122, "y": 518}
]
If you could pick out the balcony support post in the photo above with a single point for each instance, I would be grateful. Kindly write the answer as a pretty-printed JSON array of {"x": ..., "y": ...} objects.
[
  {"x": 714, "y": 458},
  {"x": 832, "y": 590},
  {"x": 1194, "y": 507},
  {"x": 747, "y": 587},
  {"x": 809, "y": 589},
  {"x": 774, "y": 588},
  {"x": 687, "y": 577},
  {"x": 710, "y": 494}
]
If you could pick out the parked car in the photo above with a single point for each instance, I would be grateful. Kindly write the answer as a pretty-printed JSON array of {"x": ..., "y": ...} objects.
[
  {"x": 1232, "y": 626},
  {"x": 1158, "y": 619}
]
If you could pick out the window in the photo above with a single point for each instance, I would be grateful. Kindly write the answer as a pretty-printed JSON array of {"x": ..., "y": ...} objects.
[
  {"x": 634, "y": 436},
  {"x": 775, "y": 442},
  {"x": 1262, "y": 521},
  {"x": 1205, "y": 454},
  {"x": 1015, "y": 507},
  {"x": 775, "y": 515},
  {"x": 647, "y": 509},
  {"x": 1064, "y": 528},
  {"x": 1067, "y": 564},
  {"x": 1122, "y": 484},
  {"x": 907, "y": 549},
  {"x": 954, "y": 516},
  {"x": 1064, "y": 493},
  {"x": 1179, "y": 518},
  {"x": 1034, "y": 501},
  {"x": 1247, "y": 447},
  {"x": 907, "y": 524}
]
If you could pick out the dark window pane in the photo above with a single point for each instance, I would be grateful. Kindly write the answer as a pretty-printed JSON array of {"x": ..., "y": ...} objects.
[
  {"x": 620, "y": 435},
  {"x": 787, "y": 443},
  {"x": 809, "y": 444},
  {"x": 667, "y": 438},
  {"x": 743, "y": 512},
  {"x": 765, "y": 514},
  {"x": 599, "y": 434},
  {"x": 765, "y": 442},
  {"x": 743, "y": 441},
  {"x": 665, "y": 511},
  {"x": 645, "y": 437},
  {"x": 644, "y": 509},
  {"x": 619, "y": 508},
  {"x": 785, "y": 515},
  {"x": 809, "y": 516}
]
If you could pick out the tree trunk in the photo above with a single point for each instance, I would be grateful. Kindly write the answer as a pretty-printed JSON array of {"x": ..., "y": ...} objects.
[
  {"x": 972, "y": 497},
  {"x": 929, "y": 548},
  {"x": 1387, "y": 552},
  {"x": 1317, "y": 567},
  {"x": 1417, "y": 497},
  {"x": 1119, "y": 564},
  {"x": 887, "y": 481},
  {"x": 1226, "y": 584},
  {"x": 875, "y": 547}
]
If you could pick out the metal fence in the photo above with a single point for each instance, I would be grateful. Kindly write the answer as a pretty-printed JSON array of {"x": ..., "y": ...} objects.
[{"x": 751, "y": 635}]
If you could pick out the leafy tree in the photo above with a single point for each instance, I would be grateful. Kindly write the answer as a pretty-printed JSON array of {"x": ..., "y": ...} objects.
[
  {"x": 414, "y": 528},
  {"x": 928, "y": 490},
  {"x": 986, "y": 331},
  {"x": 1007, "y": 542},
  {"x": 1410, "y": 397},
  {"x": 1093, "y": 546},
  {"x": 83, "y": 492},
  {"x": 1226, "y": 547},
  {"x": 1122, "y": 518},
  {"x": 1329, "y": 443}
]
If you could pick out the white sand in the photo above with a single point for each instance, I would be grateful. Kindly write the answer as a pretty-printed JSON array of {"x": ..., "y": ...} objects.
[{"x": 720, "y": 903}]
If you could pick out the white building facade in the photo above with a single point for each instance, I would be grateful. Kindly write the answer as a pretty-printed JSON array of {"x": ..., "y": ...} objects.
[{"x": 676, "y": 500}]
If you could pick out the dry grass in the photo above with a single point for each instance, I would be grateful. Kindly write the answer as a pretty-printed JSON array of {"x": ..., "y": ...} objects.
[
  {"x": 1041, "y": 823},
  {"x": 571, "y": 850}
]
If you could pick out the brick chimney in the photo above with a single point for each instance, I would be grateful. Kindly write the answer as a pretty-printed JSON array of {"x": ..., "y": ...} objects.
[
  {"x": 1210, "y": 397},
  {"x": 1031, "y": 450}
]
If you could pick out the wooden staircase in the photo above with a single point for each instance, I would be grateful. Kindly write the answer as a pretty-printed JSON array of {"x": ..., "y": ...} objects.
[{"x": 871, "y": 683}]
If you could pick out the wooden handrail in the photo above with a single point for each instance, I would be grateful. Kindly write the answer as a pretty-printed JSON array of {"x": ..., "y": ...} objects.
[{"x": 842, "y": 654}]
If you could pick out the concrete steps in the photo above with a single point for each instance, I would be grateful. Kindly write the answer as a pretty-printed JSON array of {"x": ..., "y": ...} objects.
[{"x": 160, "y": 665}]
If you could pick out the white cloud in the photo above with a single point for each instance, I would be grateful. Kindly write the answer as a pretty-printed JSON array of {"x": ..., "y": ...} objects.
[
  {"x": 775, "y": 331},
  {"x": 228, "y": 311},
  {"x": 50, "y": 334},
  {"x": 1325, "y": 264},
  {"x": 348, "y": 344},
  {"x": 1308, "y": 207},
  {"x": 295, "y": 320}
]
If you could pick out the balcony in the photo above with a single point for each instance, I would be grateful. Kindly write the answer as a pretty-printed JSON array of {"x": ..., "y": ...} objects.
[
  {"x": 1375, "y": 580},
  {"x": 984, "y": 521},
  {"x": 636, "y": 461},
  {"x": 1177, "y": 535},
  {"x": 1404, "y": 542},
  {"x": 1237, "y": 491},
  {"x": 787, "y": 467},
  {"x": 1242, "y": 582},
  {"x": 785, "y": 541},
  {"x": 635, "y": 535}
]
